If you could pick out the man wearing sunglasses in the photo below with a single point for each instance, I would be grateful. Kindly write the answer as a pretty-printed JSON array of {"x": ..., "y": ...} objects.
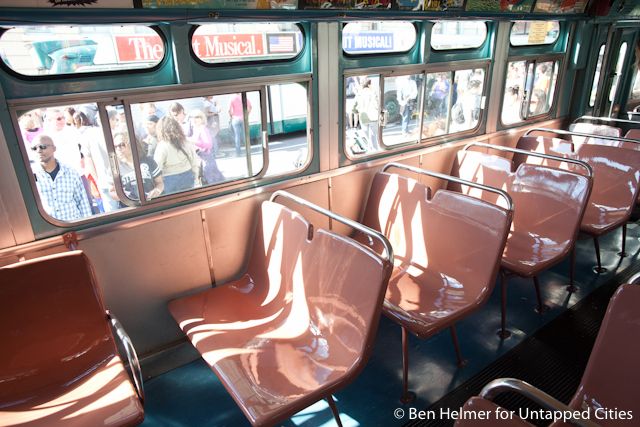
[{"x": 60, "y": 186}]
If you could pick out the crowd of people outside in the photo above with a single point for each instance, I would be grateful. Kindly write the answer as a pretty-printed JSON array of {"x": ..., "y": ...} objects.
[
  {"x": 177, "y": 149},
  {"x": 453, "y": 104}
]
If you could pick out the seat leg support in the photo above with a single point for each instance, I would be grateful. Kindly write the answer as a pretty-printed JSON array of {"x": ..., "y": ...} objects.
[
  {"x": 540, "y": 308},
  {"x": 407, "y": 396},
  {"x": 456, "y": 344},
  {"x": 599, "y": 268},
  {"x": 622, "y": 253},
  {"x": 334, "y": 410},
  {"x": 572, "y": 269},
  {"x": 503, "y": 333}
]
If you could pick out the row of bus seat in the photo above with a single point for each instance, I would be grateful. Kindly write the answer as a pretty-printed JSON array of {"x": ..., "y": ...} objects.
[{"x": 301, "y": 322}]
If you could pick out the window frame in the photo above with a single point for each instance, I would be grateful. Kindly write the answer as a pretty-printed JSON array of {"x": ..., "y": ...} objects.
[
  {"x": 126, "y": 99},
  {"x": 554, "y": 58},
  {"x": 93, "y": 74},
  {"x": 424, "y": 69},
  {"x": 202, "y": 63}
]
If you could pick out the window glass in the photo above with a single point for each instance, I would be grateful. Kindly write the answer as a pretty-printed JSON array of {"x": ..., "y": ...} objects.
[
  {"x": 466, "y": 100},
  {"x": 514, "y": 92},
  {"x": 527, "y": 33},
  {"x": 287, "y": 127},
  {"x": 596, "y": 76},
  {"x": 437, "y": 101},
  {"x": 68, "y": 157},
  {"x": 635, "y": 88},
  {"x": 362, "y": 108},
  {"x": 238, "y": 42},
  {"x": 458, "y": 35},
  {"x": 543, "y": 84},
  {"x": 618, "y": 72},
  {"x": 401, "y": 103},
  {"x": 199, "y": 141},
  {"x": 529, "y": 90},
  {"x": 372, "y": 37},
  {"x": 57, "y": 49}
]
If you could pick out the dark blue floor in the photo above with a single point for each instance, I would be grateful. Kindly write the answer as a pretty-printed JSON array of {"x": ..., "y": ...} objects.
[{"x": 191, "y": 395}]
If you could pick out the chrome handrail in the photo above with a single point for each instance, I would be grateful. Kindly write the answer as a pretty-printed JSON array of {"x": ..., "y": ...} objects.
[
  {"x": 503, "y": 385},
  {"x": 605, "y": 119},
  {"x": 444, "y": 177},
  {"x": 351, "y": 223},
  {"x": 583, "y": 134},
  {"x": 535, "y": 154},
  {"x": 132, "y": 356}
]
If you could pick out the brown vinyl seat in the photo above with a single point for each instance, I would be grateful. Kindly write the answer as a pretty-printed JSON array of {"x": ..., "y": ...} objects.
[
  {"x": 595, "y": 129},
  {"x": 615, "y": 187},
  {"x": 610, "y": 380},
  {"x": 549, "y": 205},
  {"x": 297, "y": 326},
  {"x": 59, "y": 365},
  {"x": 633, "y": 134},
  {"x": 446, "y": 252}
]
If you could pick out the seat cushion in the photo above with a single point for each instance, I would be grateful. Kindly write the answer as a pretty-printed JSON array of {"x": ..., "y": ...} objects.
[{"x": 104, "y": 397}]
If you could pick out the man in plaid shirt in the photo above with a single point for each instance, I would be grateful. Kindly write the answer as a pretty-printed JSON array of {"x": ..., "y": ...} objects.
[{"x": 61, "y": 191}]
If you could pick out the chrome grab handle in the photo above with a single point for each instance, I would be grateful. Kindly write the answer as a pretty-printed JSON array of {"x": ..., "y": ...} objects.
[
  {"x": 351, "y": 223},
  {"x": 586, "y": 135},
  {"x": 503, "y": 385},
  {"x": 535, "y": 154},
  {"x": 444, "y": 177},
  {"x": 132, "y": 356},
  {"x": 604, "y": 119}
]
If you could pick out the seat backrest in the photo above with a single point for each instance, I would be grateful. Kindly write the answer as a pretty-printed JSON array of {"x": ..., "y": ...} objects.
[
  {"x": 548, "y": 202},
  {"x": 616, "y": 174},
  {"x": 633, "y": 134},
  {"x": 544, "y": 145},
  {"x": 604, "y": 130},
  {"x": 452, "y": 235},
  {"x": 493, "y": 171},
  {"x": 53, "y": 326},
  {"x": 612, "y": 378},
  {"x": 317, "y": 277}
]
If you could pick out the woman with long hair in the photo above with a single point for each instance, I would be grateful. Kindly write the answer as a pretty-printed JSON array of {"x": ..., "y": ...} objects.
[{"x": 176, "y": 157}]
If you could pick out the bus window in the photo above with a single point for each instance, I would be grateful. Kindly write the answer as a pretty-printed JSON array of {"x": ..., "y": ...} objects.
[
  {"x": 618, "y": 72},
  {"x": 466, "y": 100},
  {"x": 195, "y": 142},
  {"x": 458, "y": 35},
  {"x": 69, "y": 159},
  {"x": 59, "y": 50},
  {"x": 239, "y": 42},
  {"x": 529, "y": 90},
  {"x": 528, "y": 33},
  {"x": 634, "y": 95},
  {"x": 375, "y": 37},
  {"x": 437, "y": 101},
  {"x": 362, "y": 107},
  {"x": 544, "y": 78},
  {"x": 596, "y": 76},
  {"x": 402, "y": 100},
  {"x": 287, "y": 126}
]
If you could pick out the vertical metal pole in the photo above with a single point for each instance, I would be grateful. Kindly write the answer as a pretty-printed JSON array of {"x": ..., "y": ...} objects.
[
  {"x": 456, "y": 344},
  {"x": 407, "y": 396},
  {"x": 540, "y": 308},
  {"x": 622, "y": 253},
  {"x": 503, "y": 333},
  {"x": 334, "y": 410},
  {"x": 572, "y": 268}
]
